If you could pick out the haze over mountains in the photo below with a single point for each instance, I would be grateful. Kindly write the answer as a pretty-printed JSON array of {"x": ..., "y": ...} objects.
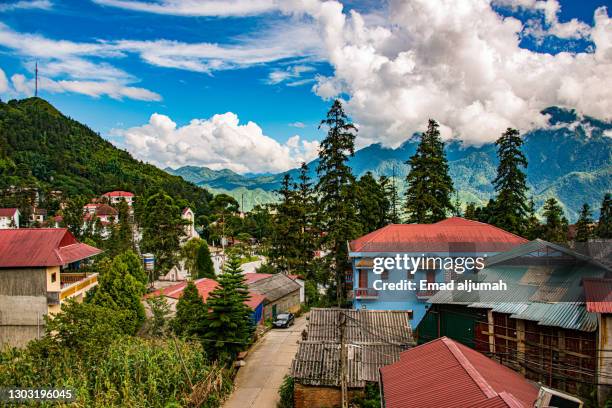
[{"x": 570, "y": 160}]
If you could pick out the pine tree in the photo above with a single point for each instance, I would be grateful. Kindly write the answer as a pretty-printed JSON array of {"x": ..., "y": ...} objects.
[
  {"x": 470, "y": 211},
  {"x": 306, "y": 206},
  {"x": 429, "y": 184},
  {"x": 391, "y": 198},
  {"x": 336, "y": 191},
  {"x": 284, "y": 251},
  {"x": 556, "y": 225},
  {"x": 511, "y": 209},
  {"x": 191, "y": 313},
  {"x": 229, "y": 324},
  {"x": 604, "y": 226},
  {"x": 533, "y": 229},
  {"x": 372, "y": 203},
  {"x": 457, "y": 206},
  {"x": 125, "y": 237},
  {"x": 584, "y": 225}
]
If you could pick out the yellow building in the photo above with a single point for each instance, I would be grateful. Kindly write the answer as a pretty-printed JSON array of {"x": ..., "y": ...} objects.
[{"x": 39, "y": 270}]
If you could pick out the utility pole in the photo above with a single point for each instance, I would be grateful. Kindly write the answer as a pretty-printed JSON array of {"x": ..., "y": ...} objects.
[{"x": 343, "y": 359}]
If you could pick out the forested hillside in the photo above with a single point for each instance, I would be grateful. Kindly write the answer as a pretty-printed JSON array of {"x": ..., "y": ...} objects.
[{"x": 40, "y": 147}]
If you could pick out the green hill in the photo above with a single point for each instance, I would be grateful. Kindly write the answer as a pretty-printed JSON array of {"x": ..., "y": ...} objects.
[{"x": 40, "y": 147}]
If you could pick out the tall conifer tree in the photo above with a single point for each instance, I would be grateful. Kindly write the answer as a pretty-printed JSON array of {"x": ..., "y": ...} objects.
[
  {"x": 584, "y": 225},
  {"x": 510, "y": 209},
  {"x": 604, "y": 226},
  {"x": 372, "y": 203},
  {"x": 428, "y": 197},
  {"x": 229, "y": 324},
  {"x": 336, "y": 191},
  {"x": 306, "y": 205},
  {"x": 556, "y": 225}
]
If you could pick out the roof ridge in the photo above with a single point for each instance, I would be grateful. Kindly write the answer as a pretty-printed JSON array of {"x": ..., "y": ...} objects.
[
  {"x": 480, "y": 381},
  {"x": 510, "y": 399}
]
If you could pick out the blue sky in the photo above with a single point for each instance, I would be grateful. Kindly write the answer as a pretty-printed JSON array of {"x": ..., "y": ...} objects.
[{"x": 111, "y": 64}]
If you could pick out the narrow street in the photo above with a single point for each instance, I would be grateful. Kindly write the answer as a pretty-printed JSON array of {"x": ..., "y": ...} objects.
[{"x": 257, "y": 383}]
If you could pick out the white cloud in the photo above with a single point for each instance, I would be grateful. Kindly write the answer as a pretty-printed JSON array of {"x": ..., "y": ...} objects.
[
  {"x": 220, "y": 8},
  {"x": 4, "y": 84},
  {"x": 300, "y": 125},
  {"x": 218, "y": 142},
  {"x": 290, "y": 75},
  {"x": 24, "y": 4},
  {"x": 458, "y": 62}
]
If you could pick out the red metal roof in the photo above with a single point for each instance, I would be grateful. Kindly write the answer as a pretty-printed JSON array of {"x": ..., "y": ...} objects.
[
  {"x": 7, "y": 212},
  {"x": 598, "y": 293},
  {"x": 204, "y": 286},
  {"x": 254, "y": 277},
  {"x": 453, "y": 234},
  {"x": 444, "y": 373},
  {"x": 39, "y": 247},
  {"x": 118, "y": 194}
]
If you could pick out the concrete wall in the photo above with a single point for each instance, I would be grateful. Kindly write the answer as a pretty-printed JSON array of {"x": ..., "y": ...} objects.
[
  {"x": 289, "y": 303},
  {"x": 305, "y": 396},
  {"x": 23, "y": 303}
]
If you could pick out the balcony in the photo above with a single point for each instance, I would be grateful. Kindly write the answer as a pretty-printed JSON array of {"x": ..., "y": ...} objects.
[
  {"x": 72, "y": 285},
  {"x": 365, "y": 293}
]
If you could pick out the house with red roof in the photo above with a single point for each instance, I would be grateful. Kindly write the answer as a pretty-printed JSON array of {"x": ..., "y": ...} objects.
[
  {"x": 445, "y": 373},
  {"x": 173, "y": 293},
  {"x": 9, "y": 218},
  {"x": 115, "y": 197},
  {"x": 454, "y": 240},
  {"x": 39, "y": 270}
]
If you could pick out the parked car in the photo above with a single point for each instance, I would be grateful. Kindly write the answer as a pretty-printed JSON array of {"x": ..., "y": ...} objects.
[{"x": 284, "y": 320}]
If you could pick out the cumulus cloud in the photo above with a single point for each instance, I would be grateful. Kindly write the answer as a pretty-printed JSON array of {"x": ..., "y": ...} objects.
[
  {"x": 218, "y": 142},
  {"x": 196, "y": 7},
  {"x": 457, "y": 62}
]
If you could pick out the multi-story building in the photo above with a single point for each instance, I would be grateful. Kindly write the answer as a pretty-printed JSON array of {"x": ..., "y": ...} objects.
[
  {"x": 114, "y": 197},
  {"x": 454, "y": 238},
  {"x": 39, "y": 270}
]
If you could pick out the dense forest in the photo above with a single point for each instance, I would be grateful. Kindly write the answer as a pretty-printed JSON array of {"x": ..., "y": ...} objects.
[{"x": 40, "y": 147}]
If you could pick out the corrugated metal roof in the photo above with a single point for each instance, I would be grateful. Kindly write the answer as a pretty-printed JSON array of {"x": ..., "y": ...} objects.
[
  {"x": 40, "y": 247},
  {"x": 598, "y": 295},
  {"x": 204, "y": 286},
  {"x": 451, "y": 235},
  {"x": 374, "y": 338},
  {"x": 444, "y": 373},
  {"x": 274, "y": 287},
  {"x": 546, "y": 289}
]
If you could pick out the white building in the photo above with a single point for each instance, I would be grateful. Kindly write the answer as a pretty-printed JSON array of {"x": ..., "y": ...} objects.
[
  {"x": 9, "y": 218},
  {"x": 115, "y": 197},
  {"x": 190, "y": 230}
]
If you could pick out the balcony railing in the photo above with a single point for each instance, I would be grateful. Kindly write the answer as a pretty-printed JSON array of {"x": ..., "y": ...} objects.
[
  {"x": 425, "y": 294},
  {"x": 74, "y": 284},
  {"x": 365, "y": 293}
]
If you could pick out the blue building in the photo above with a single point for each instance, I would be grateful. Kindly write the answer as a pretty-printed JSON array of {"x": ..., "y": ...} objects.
[{"x": 390, "y": 265}]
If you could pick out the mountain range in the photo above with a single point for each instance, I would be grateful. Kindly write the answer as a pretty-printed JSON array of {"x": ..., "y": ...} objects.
[{"x": 571, "y": 160}]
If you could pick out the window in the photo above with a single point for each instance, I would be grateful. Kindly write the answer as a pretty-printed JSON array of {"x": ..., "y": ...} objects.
[
  {"x": 384, "y": 275},
  {"x": 431, "y": 276},
  {"x": 53, "y": 277},
  {"x": 363, "y": 278},
  {"x": 409, "y": 275}
]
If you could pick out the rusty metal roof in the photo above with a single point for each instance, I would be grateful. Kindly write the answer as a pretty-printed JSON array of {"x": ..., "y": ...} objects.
[
  {"x": 374, "y": 338},
  {"x": 598, "y": 294},
  {"x": 451, "y": 235},
  {"x": 274, "y": 287},
  {"x": 7, "y": 212},
  {"x": 445, "y": 373},
  {"x": 41, "y": 247}
]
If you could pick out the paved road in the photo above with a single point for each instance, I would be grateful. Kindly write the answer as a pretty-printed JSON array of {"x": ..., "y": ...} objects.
[{"x": 257, "y": 383}]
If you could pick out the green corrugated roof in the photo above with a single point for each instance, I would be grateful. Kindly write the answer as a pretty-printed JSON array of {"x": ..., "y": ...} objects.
[{"x": 548, "y": 293}]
